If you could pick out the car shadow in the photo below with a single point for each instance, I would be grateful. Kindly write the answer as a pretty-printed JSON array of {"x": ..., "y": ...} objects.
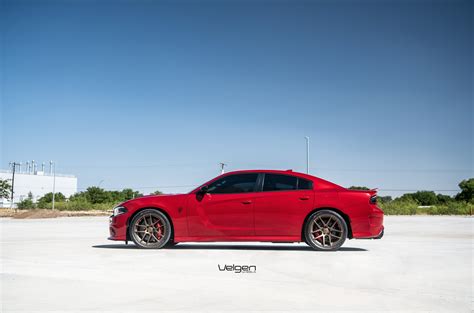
[{"x": 228, "y": 247}]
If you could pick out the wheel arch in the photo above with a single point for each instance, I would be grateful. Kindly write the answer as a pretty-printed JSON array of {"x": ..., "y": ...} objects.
[
  {"x": 150, "y": 208},
  {"x": 341, "y": 213}
]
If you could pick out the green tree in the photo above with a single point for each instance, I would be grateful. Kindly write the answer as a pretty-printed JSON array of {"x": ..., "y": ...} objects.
[
  {"x": 156, "y": 193},
  {"x": 97, "y": 195},
  {"x": 44, "y": 201},
  {"x": 358, "y": 188},
  {"x": 421, "y": 197},
  {"x": 5, "y": 188},
  {"x": 467, "y": 190},
  {"x": 128, "y": 194},
  {"x": 48, "y": 198},
  {"x": 78, "y": 196},
  {"x": 443, "y": 199},
  {"x": 26, "y": 204},
  {"x": 384, "y": 199}
]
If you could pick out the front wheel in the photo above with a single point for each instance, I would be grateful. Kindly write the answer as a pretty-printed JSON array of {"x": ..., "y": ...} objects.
[
  {"x": 150, "y": 229},
  {"x": 325, "y": 230}
]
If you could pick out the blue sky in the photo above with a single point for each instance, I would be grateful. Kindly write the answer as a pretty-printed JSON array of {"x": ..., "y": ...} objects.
[{"x": 153, "y": 95}]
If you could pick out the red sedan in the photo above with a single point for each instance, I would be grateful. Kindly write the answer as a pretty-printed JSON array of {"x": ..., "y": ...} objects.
[{"x": 253, "y": 205}]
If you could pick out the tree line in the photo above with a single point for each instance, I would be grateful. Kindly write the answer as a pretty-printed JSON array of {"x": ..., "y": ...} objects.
[
  {"x": 427, "y": 198},
  {"x": 420, "y": 202}
]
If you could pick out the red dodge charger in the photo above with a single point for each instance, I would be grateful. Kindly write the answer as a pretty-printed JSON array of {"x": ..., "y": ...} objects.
[{"x": 253, "y": 205}]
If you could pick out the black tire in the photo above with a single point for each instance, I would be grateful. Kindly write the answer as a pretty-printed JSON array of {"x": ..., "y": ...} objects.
[
  {"x": 170, "y": 244},
  {"x": 150, "y": 229},
  {"x": 325, "y": 230}
]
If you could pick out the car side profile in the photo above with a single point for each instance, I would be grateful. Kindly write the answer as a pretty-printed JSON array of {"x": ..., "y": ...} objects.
[{"x": 252, "y": 205}]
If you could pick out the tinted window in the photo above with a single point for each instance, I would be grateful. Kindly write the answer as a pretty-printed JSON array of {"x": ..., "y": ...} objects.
[
  {"x": 234, "y": 184},
  {"x": 275, "y": 182},
  {"x": 304, "y": 184}
]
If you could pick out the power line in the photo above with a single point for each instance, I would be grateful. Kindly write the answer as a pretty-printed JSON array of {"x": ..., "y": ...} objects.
[
  {"x": 268, "y": 166},
  {"x": 394, "y": 170}
]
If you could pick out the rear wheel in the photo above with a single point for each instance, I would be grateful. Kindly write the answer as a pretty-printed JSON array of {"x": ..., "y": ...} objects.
[
  {"x": 150, "y": 229},
  {"x": 325, "y": 230}
]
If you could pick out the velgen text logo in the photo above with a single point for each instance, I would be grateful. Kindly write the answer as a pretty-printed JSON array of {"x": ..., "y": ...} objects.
[{"x": 237, "y": 268}]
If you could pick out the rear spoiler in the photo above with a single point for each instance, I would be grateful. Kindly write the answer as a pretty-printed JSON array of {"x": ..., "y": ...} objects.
[{"x": 371, "y": 191}]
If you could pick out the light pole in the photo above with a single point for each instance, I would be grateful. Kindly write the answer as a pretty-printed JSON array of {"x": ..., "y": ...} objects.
[
  {"x": 307, "y": 154},
  {"x": 13, "y": 164},
  {"x": 54, "y": 180},
  {"x": 222, "y": 167}
]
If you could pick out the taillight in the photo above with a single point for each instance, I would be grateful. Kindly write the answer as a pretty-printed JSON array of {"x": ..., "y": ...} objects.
[{"x": 373, "y": 199}]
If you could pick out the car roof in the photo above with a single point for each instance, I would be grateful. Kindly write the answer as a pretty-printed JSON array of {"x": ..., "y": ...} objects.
[
  {"x": 287, "y": 172},
  {"x": 321, "y": 183}
]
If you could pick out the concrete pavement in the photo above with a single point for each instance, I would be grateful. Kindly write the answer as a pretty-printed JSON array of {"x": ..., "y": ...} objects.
[{"x": 424, "y": 263}]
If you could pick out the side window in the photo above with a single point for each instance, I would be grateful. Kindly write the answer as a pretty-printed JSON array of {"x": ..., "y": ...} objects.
[
  {"x": 234, "y": 184},
  {"x": 304, "y": 184},
  {"x": 274, "y": 182}
]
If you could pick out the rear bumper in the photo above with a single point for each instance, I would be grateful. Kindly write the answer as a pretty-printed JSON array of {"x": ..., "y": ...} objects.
[
  {"x": 381, "y": 234},
  {"x": 369, "y": 227}
]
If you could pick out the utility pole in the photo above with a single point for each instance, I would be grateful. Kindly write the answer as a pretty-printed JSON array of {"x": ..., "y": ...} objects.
[
  {"x": 14, "y": 164},
  {"x": 54, "y": 181},
  {"x": 222, "y": 167},
  {"x": 307, "y": 154}
]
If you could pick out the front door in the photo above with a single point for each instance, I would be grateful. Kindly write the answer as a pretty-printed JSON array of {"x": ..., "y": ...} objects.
[{"x": 226, "y": 209}]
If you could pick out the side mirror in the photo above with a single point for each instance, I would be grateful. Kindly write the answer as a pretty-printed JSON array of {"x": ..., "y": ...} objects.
[{"x": 204, "y": 189}]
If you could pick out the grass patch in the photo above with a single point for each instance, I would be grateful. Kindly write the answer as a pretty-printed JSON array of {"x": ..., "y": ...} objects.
[{"x": 411, "y": 207}]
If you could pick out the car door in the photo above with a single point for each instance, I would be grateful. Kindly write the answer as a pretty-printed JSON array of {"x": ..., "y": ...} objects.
[
  {"x": 226, "y": 209},
  {"x": 281, "y": 205}
]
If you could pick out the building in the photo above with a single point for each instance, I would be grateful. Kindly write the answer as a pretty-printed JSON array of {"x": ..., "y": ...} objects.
[{"x": 39, "y": 182}]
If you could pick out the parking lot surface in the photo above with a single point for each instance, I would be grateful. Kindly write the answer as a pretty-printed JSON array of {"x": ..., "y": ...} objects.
[{"x": 423, "y": 263}]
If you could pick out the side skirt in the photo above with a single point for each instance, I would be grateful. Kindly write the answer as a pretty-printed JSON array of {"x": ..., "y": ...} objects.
[{"x": 239, "y": 238}]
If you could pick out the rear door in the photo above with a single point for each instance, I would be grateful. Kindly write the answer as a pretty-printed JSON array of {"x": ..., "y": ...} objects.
[{"x": 281, "y": 204}]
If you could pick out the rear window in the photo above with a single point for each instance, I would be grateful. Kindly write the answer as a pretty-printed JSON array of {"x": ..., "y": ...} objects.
[
  {"x": 304, "y": 184},
  {"x": 275, "y": 182}
]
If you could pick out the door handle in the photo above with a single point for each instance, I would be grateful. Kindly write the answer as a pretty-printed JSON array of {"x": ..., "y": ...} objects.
[
  {"x": 247, "y": 202},
  {"x": 304, "y": 198}
]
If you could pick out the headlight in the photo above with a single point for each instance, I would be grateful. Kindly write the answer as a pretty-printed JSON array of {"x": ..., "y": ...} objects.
[{"x": 119, "y": 210}]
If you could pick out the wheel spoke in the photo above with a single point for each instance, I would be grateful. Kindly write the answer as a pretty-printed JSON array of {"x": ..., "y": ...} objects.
[
  {"x": 155, "y": 237},
  {"x": 322, "y": 221},
  {"x": 316, "y": 223}
]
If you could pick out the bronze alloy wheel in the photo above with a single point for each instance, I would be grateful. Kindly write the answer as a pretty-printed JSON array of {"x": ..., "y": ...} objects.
[
  {"x": 325, "y": 230},
  {"x": 150, "y": 229}
]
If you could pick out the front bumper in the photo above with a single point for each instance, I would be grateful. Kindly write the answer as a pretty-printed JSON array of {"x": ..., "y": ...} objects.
[{"x": 118, "y": 227}]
